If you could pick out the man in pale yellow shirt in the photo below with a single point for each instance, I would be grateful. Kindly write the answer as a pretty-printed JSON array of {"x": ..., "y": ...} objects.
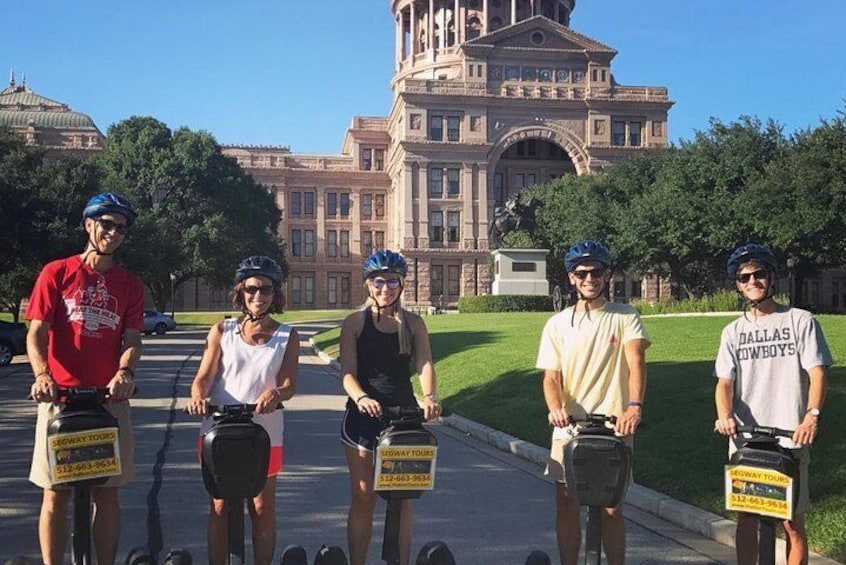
[{"x": 593, "y": 358}]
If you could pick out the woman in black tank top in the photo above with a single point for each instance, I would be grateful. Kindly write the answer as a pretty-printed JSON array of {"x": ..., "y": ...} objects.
[{"x": 377, "y": 347}]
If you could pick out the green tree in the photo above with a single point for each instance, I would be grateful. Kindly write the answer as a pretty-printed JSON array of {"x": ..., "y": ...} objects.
[
  {"x": 198, "y": 212},
  {"x": 42, "y": 205}
]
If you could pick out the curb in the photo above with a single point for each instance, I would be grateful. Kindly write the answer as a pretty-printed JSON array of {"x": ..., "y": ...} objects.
[{"x": 687, "y": 516}]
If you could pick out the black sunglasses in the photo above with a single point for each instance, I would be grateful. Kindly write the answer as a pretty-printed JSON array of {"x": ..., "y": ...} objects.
[
  {"x": 595, "y": 273},
  {"x": 393, "y": 284},
  {"x": 265, "y": 290},
  {"x": 759, "y": 275},
  {"x": 109, "y": 225}
]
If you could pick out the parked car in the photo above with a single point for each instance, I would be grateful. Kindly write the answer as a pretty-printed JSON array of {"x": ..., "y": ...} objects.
[
  {"x": 12, "y": 341},
  {"x": 158, "y": 323}
]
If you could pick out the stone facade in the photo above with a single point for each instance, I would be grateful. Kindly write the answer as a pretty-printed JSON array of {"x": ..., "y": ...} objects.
[{"x": 490, "y": 96}]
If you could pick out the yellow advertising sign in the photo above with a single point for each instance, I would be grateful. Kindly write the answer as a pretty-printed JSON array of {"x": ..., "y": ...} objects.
[
  {"x": 405, "y": 467},
  {"x": 89, "y": 454},
  {"x": 759, "y": 491}
]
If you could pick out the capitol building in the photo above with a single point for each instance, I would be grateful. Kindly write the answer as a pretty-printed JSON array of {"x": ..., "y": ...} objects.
[{"x": 489, "y": 97}]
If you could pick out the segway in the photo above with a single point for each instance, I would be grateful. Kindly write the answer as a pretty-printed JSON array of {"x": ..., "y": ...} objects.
[
  {"x": 234, "y": 455},
  {"x": 762, "y": 478},
  {"x": 597, "y": 466},
  {"x": 406, "y": 456}
]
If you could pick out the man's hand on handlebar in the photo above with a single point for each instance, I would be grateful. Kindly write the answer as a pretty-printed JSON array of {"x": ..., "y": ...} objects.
[
  {"x": 628, "y": 421},
  {"x": 198, "y": 407},
  {"x": 726, "y": 426},
  {"x": 806, "y": 432},
  {"x": 121, "y": 386},
  {"x": 44, "y": 389},
  {"x": 559, "y": 418}
]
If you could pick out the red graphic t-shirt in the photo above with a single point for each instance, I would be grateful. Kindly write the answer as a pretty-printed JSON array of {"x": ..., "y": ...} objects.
[{"x": 88, "y": 312}]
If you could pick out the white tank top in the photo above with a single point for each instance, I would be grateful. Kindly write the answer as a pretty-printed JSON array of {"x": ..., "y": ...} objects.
[{"x": 246, "y": 371}]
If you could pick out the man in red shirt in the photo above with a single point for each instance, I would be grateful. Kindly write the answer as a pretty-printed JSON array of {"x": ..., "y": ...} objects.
[{"x": 86, "y": 316}]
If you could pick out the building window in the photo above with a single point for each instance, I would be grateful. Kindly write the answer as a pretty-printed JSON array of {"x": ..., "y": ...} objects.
[
  {"x": 379, "y": 241},
  {"x": 498, "y": 189},
  {"x": 453, "y": 184},
  {"x": 366, "y": 159},
  {"x": 308, "y": 199},
  {"x": 345, "y": 290},
  {"x": 436, "y": 182},
  {"x": 296, "y": 243},
  {"x": 309, "y": 290},
  {"x": 332, "y": 243},
  {"x": 618, "y": 133},
  {"x": 380, "y": 205},
  {"x": 453, "y": 220},
  {"x": 308, "y": 245},
  {"x": 296, "y": 207},
  {"x": 437, "y": 281},
  {"x": 379, "y": 159},
  {"x": 454, "y": 280},
  {"x": 331, "y": 204},
  {"x": 634, "y": 134},
  {"x": 436, "y": 128},
  {"x": 532, "y": 147},
  {"x": 436, "y": 227},
  {"x": 345, "y": 243},
  {"x": 635, "y": 289},
  {"x": 366, "y": 206},
  {"x": 345, "y": 204},
  {"x": 367, "y": 243},
  {"x": 332, "y": 291},
  {"x": 296, "y": 290},
  {"x": 453, "y": 128}
]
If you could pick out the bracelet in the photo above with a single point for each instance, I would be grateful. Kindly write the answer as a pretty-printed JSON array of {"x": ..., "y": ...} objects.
[
  {"x": 360, "y": 398},
  {"x": 432, "y": 396},
  {"x": 45, "y": 372},
  {"x": 633, "y": 403},
  {"x": 128, "y": 370}
]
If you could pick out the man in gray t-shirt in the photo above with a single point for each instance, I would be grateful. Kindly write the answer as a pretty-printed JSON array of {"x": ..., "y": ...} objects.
[{"x": 771, "y": 371}]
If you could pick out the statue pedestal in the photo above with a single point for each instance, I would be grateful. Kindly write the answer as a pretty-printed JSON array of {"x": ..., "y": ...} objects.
[{"x": 520, "y": 271}]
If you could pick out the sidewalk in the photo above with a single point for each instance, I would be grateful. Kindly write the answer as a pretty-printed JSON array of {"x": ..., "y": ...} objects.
[{"x": 687, "y": 516}]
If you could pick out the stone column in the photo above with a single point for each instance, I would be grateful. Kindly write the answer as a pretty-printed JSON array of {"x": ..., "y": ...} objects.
[
  {"x": 485, "y": 17},
  {"x": 412, "y": 32},
  {"x": 430, "y": 31},
  {"x": 482, "y": 183},
  {"x": 407, "y": 237},
  {"x": 423, "y": 206},
  {"x": 459, "y": 24},
  {"x": 466, "y": 194},
  {"x": 513, "y": 12}
]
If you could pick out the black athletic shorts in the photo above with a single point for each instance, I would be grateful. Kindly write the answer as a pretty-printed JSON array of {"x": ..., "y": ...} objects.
[{"x": 360, "y": 430}]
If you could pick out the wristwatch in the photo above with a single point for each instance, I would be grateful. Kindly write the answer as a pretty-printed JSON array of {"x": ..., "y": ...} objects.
[{"x": 815, "y": 412}]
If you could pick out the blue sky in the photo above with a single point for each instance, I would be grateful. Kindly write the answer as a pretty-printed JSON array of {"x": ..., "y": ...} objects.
[{"x": 294, "y": 73}]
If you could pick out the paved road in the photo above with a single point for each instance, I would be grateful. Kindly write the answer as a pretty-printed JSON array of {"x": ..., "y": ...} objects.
[{"x": 491, "y": 507}]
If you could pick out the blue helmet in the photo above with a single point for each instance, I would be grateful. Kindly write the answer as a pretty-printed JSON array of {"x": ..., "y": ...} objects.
[
  {"x": 383, "y": 262},
  {"x": 259, "y": 266},
  {"x": 750, "y": 252},
  {"x": 109, "y": 203},
  {"x": 584, "y": 251}
]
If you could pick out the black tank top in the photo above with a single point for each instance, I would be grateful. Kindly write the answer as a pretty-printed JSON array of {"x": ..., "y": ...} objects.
[{"x": 383, "y": 373}]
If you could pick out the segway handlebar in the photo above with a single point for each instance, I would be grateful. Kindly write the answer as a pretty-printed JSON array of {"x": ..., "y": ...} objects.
[
  {"x": 593, "y": 420},
  {"x": 403, "y": 414},
  {"x": 221, "y": 410},
  {"x": 767, "y": 431},
  {"x": 92, "y": 392}
]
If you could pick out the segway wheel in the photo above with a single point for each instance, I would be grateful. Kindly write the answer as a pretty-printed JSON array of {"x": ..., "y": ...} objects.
[
  {"x": 140, "y": 556},
  {"x": 435, "y": 553},
  {"x": 538, "y": 557},
  {"x": 331, "y": 555},
  {"x": 294, "y": 555},
  {"x": 178, "y": 557}
]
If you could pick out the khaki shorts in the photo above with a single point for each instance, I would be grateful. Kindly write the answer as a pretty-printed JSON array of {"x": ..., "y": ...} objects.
[
  {"x": 803, "y": 454},
  {"x": 39, "y": 472},
  {"x": 555, "y": 464}
]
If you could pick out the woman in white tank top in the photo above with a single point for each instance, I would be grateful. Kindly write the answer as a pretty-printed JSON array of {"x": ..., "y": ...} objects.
[{"x": 252, "y": 359}]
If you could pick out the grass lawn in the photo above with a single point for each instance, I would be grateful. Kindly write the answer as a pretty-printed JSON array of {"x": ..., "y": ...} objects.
[{"x": 486, "y": 372}]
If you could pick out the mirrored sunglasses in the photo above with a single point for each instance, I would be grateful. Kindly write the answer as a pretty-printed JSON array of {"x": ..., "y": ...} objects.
[
  {"x": 393, "y": 284},
  {"x": 759, "y": 275},
  {"x": 109, "y": 225},
  {"x": 266, "y": 290},
  {"x": 595, "y": 273}
]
